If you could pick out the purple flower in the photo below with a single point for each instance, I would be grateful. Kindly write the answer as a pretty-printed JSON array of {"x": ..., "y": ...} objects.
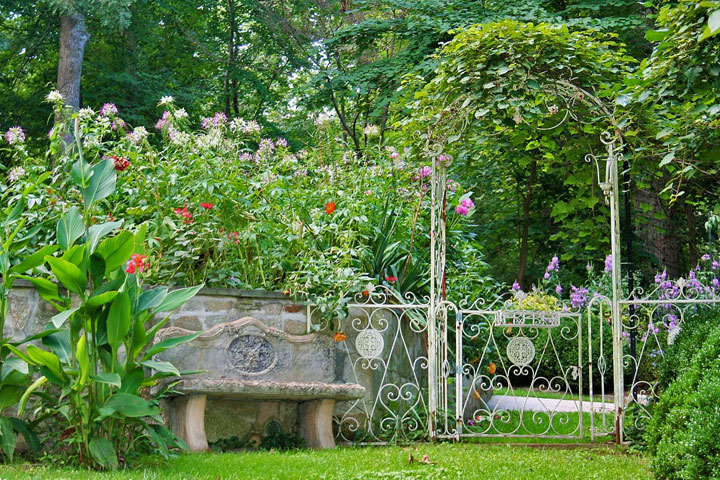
[
  {"x": 715, "y": 265},
  {"x": 468, "y": 203},
  {"x": 15, "y": 135},
  {"x": 608, "y": 264},
  {"x": 546, "y": 276},
  {"x": 163, "y": 121},
  {"x": 705, "y": 257},
  {"x": 715, "y": 283},
  {"x": 281, "y": 142},
  {"x": 558, "y": 289},
  {"x": 552, "y": 266},
  {"x": 266, "y": 144},
  {"x": 108, "y": 110},
  {"x": 425, "y": 171},
  {"x": 661, "y": 277},
  {"x": 578, "y": 298},
  {"x": 516, "y": 286}
]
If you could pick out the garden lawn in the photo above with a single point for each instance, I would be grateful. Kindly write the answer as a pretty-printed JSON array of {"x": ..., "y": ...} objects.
[{"x": 452, "y": 462}]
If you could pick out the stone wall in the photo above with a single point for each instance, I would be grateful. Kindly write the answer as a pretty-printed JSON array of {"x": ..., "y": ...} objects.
[{"x": 227, "y": 418}]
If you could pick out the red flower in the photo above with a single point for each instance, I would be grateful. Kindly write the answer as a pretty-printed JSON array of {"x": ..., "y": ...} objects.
[
  {"x": 365, "y": 293},
  {"x": 388, "y": 278},
  {"x": 330, "y": 207},
  {"x": 234, "y": 237},
  {"x": 184, "y": 213},
  {"x": 340, "y": 337},
  {"x": 206, "y": 205},
  {"x": 136, "y": 263},
  {"x": 120, "y": 163}
]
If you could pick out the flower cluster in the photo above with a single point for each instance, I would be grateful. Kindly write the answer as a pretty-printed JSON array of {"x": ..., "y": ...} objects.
[
  {"x": 54, "y": 97},
  {"x": 164, "y": 120},
  {"x": 137, "y": 135},
  {"x": 15, "y": 135},
  {"x": 108, "y": 110},
  {"x": 553, "y": 266},
  {"x": 465, "y": 206},
  {"x": 608, "y": 263},
  {"x": 183, "y": 212},
  {"x": 16, "y": 173},
  {"x": 218, "y": 120},
  {"x": 120, "y": 163},
  {"x": 137, "y": 263},
  {"x": 578, "y": 296}
]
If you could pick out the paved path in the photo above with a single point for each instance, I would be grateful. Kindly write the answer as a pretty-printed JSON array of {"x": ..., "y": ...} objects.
[{"x": 507, "y": 402}]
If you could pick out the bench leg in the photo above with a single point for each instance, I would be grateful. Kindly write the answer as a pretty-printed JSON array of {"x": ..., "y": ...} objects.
[
  {"x": 315, "y": 418},
  {"x": 187, "y": 421}
]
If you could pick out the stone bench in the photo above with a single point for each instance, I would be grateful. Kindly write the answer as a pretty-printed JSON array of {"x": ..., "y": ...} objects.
[{"x": 247, "y": 360}]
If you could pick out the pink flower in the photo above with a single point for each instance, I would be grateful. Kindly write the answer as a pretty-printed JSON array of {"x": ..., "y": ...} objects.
[
  {"x": 467, "y": 203},
  {"x": 462, "y": 210},
  {"x": 425, "y": 171},
  {"x": 394, "y": 155},
  {"x": 206, "y": 205},
  {"x": 136, "y": 263},
  {"x": 108, "y": 110}
]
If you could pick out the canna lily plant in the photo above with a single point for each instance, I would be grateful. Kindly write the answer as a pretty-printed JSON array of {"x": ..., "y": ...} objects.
[{"x": 95, "y": 360}]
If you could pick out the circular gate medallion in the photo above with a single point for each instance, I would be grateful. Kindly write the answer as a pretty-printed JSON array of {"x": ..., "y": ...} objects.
[
  {"x": 369, "y": 343},
  {"x": 251, "y": 354},
  {"x": 521, "y": 351}
]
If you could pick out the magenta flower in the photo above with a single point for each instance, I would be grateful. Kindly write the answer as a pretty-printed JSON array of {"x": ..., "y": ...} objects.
[
  {"x": 425, "y": 172},
  {"x": 516, "y": 286},
  {"x": 462, "y": 210},
  {"x": 558, "y": 289},
  {"x": 608, "y": 264}
]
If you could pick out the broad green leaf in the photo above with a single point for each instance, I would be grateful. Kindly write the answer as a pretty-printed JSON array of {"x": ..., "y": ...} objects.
[
  {"x": 116, "y": 250},
  {"x": 30, "y": 436},
  {"x": 163, "y": 367},
  {"x": 70, "y": 228},
  {"x": 110, "y": 378},
  {"x": 16, "y": 212},
  {"x": 151, "y": 298},
  {"x": 169, "y": 343},
  {"x": 118, "y": 321},
  {"x": 59, "y": 319},
  {"x": 8, "y": 440},
  {"x": 10, "y": 395},
  {"x": 59, "y": 343},
  {"x": 68, "y": 274},
  {"x": 102, "y": 299},
  {"x": 34, "y": 260},
  {"x": 130, "y": 405},
  {"x": 132, "y": 380},
  {"x": 75, "y": 255},
  {"x": 102, "y": 183},
  {"x": 13, "y": 364},
  {"x": 176, "y": 298},
  {"x": 96, "y": 232},
  {"x": 714, "y": 22},
  {"x": 44, "y": 358},
  {"x": 81, "y": 173},
  {"x": 103, "y": 453}
]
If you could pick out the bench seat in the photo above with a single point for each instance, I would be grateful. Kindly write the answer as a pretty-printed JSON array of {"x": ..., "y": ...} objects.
[{"x": 316, "y": 402}]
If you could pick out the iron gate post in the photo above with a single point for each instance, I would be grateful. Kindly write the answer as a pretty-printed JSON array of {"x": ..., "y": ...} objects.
[{"x": 618, "y": 381}]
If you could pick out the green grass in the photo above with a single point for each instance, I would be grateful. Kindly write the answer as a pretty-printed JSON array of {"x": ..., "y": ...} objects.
[
  {"x": 453, "y": 461},
  {"x": 536, "y": 423},
  {"x": 525, "y": 392}
]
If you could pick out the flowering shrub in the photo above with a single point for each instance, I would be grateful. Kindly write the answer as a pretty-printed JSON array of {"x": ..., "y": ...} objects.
[{"x": 226, "y": 206}]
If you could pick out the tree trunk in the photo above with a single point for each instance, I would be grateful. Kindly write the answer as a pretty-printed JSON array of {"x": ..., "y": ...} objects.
[
  {"x": 525, "y": 229},
  {"x": 230, "y": 69},
  {"x": 73, "y": 37}
]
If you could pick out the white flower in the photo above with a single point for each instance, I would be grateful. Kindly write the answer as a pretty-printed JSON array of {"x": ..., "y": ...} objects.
[
  {"x": 371, "y": 130},
  {"x": 137, "y": 135},
  {"x": 16, "y": 173},
  {"x": 85, "y": 114},
  {"x": 166, "y": 100},
  {"x": 54, "y": 97},
  {"x": 180, "y": 113}
]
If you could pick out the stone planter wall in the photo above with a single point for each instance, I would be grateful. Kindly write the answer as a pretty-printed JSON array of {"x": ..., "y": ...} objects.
[{"x": 227, "y": 418}]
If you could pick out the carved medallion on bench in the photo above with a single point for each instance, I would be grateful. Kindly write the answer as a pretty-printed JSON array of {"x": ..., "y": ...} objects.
[{"x": 247, "y": 360}]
